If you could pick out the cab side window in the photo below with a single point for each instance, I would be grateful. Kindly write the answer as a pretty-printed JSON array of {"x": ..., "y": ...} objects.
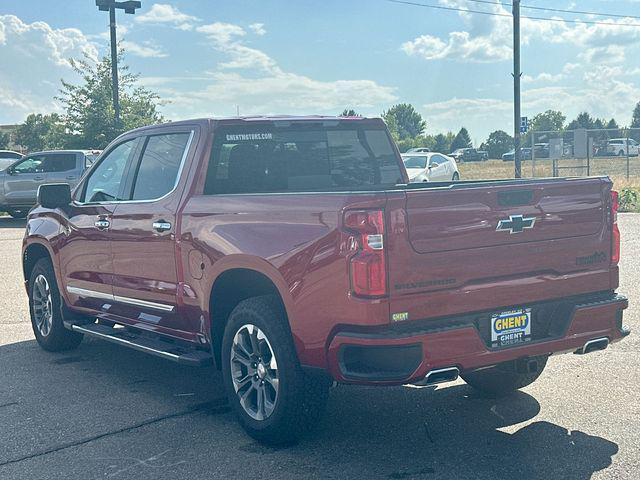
[
  {"x": 30, "y": 165},
  {"x": 159, "y": 166},
  {"x": 61, "y": 162},
  {"x": 105, "y": 181}
]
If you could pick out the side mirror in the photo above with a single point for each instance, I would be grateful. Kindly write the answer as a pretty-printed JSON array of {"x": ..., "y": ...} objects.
[
  {"x": 54, "y": 195},
  {"x": 10, "y": 171}
]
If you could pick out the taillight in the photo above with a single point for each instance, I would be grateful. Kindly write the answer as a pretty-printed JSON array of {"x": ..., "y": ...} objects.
[
  {"x": 615, "y": 231},
  {"x": 367, "y": 266}
]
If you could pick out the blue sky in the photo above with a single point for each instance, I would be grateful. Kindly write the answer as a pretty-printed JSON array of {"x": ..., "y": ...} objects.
[{"x": 305, "y": 57}]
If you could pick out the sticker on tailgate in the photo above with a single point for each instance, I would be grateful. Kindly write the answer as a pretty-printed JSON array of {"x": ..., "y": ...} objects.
[{"x": 510, "y": 328}]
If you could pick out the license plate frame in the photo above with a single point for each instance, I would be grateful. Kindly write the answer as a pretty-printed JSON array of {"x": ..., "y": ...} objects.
[{"x": 511, "y": 327}]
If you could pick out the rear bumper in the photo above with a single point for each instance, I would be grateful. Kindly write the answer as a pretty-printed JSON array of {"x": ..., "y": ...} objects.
[{"x": 406, "y": 352}]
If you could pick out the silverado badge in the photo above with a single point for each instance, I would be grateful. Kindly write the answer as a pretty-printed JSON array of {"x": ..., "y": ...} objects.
[{"x": 516, "y": 224}]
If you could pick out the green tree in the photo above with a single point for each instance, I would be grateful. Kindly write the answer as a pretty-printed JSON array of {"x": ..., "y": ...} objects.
[
  {"x": 419, "y": 141},
  {"x": 551, "y": 120},
  {"x": 5, "y": 139},
  {"x": 635, "y": 123},
  {"x": 442, "y": 142},
  {"x": 635, "y": 120},
  {"x": 499, "y": 143},
  {"x": 461, "y": 140},
  {"x": 583, "y": 120},
  {"x": 41, "y": 132},
  {"x": 404, "y": 121},
  {"x": 90, "y": 118},
  {"x": 349, "y": 112}
]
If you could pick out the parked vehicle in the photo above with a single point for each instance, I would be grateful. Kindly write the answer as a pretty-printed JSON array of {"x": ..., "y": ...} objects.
[
  {"x": 430, "y": 167},
  {"x": 525, "y": 154},
  {"x": 20, "y": 181},
  {"x": 541, "y": 150},
  {"x": 467, "y": 155},
  {"x": 291, "y": 252},
  {"x": 7, "y": 157},
  {"x": 418, "y": 150},
  {"x": 618, "y": 146},
  {"x": 484, "y": 154}
]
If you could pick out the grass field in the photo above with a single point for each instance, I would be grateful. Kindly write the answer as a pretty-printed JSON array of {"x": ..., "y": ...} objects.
[{"x": 614, "y": 167}]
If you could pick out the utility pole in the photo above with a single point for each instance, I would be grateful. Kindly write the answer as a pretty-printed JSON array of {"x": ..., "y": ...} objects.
[
  {"x": 516, "y": 88},
  {"x": 110, "y": 6},
  {"x": 114, "y": 65}
]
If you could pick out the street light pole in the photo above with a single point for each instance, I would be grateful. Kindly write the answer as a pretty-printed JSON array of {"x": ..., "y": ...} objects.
[
  {"x": 114, "y": 65},
  {"x": 110, "y": 6},
  {"x": 516, "y": 88}
]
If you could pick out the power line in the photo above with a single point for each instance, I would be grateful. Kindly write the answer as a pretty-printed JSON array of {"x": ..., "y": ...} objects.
[
  {"x": 493, "y": 14},
  {"x": 558, "y": 10}
]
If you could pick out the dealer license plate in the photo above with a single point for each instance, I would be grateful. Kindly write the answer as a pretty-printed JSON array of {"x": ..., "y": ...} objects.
[{"x": 511, "y": 328}]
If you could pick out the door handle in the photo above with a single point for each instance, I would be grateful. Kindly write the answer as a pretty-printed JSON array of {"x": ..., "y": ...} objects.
[
  {"x": 38, "y": 178},
  {"x": 102, "y": 224},
  {"x": 161, "y": 226},
  {"x": 71, "y": 177}
]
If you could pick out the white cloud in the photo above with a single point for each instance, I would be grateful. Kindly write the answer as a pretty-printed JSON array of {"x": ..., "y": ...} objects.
[
  {"x": 145, "y": 50},
  {"x": 165, "y": 14},
  {"x": 489, "y": 38},
  {"x": 222, "y": 33},
  {"x": 257, "y": 28},
  {"x": 252, "y": 79},
  {"x": 612, "y": 54},
  {"x": 459, "y": 45},
  {"x": 36, "y": 55},
  {"x": 543, "y": 77},
  {"x": 227, "y": 38}
]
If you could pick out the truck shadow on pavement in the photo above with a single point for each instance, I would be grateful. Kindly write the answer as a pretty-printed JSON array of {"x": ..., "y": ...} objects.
[
  {"x": 457, "y": 433},
  {"x": 139, "y": 405}
]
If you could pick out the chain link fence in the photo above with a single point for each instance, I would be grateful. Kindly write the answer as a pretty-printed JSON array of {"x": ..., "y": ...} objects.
[{"x": 582, "y": 152}]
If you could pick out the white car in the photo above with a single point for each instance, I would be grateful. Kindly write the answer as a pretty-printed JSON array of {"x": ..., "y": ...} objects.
[
  {"x": 418, "y": 150},
  {"x": 7, "y": 157},
  {"x": 618, "y": 146},
  {"x": 430, "y": 167}
]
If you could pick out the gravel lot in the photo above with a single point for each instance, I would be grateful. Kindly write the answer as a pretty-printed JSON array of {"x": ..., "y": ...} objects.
[{"x": 103, "y": 411}]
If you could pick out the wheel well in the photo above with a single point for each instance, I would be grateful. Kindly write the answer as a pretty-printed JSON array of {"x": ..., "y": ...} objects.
[
  {"x": 32, "y": 254},
  {"x": 229, "y": 289}
]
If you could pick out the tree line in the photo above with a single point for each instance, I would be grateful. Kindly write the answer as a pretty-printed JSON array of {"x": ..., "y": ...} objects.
[{"x": 408, "y": 127}]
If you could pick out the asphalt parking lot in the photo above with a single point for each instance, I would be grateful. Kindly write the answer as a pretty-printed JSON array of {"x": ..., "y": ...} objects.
[{"x": 103, "y": 411}]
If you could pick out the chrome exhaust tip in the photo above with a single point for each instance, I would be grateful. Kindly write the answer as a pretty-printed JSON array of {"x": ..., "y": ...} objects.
[
  {"x": 593, "y": 346},
  {"x": 440, "y": 375}
]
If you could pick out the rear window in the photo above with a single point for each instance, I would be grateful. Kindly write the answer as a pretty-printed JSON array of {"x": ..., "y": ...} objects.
[{"x": 301, "y": 158}]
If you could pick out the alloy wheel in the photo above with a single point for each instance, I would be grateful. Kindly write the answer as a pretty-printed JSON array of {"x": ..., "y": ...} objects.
[
  {"x": 254, "y": 372},
  {"x": 42, "y": 305}
]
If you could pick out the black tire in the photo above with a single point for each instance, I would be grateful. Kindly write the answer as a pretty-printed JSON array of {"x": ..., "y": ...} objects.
[
  {"x": 456, "y": 177},
  {"x": 301, "y": 397},
  {"x": 54, "y": 338},
  {"x": 621, "y": 153},
  {"x": 18, "y": 213},
  {"x": 504, "y": 378}
]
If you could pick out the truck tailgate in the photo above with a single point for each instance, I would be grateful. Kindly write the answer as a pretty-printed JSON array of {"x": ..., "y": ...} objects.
[{"x": 471, "y": 246}]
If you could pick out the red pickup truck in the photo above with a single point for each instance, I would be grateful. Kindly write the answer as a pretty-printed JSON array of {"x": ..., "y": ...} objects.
[{"x": 292, "y": 252}]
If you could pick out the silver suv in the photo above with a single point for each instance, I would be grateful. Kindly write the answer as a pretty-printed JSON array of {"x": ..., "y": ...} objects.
[{"x": 20, "y": 181}]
